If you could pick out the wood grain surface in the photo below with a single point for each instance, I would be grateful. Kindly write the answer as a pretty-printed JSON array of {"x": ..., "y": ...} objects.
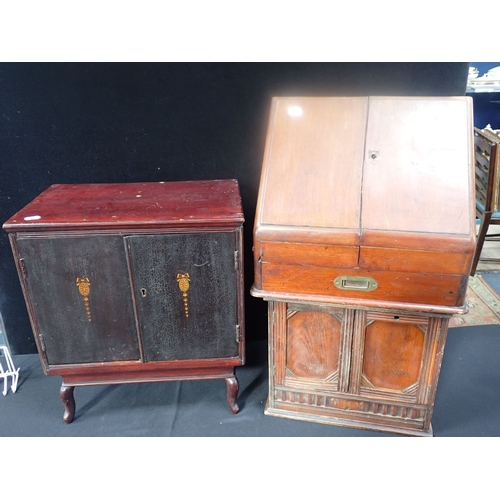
[
  {"x": 381, "y": 185},
  {"x": 313, "y": 164}
]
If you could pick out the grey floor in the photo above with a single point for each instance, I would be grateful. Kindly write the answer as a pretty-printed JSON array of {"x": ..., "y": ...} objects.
[
  {"x": 467, "y": 401},
  {"x": 135, "y": 440},
  {"x": 141, "y": 439}
]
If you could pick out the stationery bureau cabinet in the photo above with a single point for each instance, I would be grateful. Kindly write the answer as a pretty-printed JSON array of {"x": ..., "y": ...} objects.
[
  {"x": 363, "y": 244},
  {"x": 135, "y": 282}
]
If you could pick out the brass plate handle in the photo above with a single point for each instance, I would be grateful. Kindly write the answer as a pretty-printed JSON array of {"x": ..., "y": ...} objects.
[{"x": 356, "y": 283}]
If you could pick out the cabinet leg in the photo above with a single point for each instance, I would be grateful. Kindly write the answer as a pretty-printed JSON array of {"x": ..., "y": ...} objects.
[
  {"x": 232, "y": 394},
  {"x": 66, "y": 395}
]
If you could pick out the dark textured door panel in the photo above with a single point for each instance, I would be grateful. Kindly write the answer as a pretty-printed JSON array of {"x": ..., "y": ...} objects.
[
  {"x": 201, "y": 323},
  {"x": 80, "y": 289}
]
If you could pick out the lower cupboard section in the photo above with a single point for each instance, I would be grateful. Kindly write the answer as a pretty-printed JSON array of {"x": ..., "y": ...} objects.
[{"x": 370, "y": 368}]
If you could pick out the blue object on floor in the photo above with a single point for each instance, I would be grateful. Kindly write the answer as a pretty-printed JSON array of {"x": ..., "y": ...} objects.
[{"x": 493, "y": 280}]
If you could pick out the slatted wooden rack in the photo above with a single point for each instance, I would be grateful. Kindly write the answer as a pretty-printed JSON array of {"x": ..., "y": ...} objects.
[{"x": 487, "y": 160}]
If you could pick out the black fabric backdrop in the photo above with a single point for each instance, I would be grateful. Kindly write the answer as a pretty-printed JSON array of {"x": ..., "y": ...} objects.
[{"x": 126, "y": 122}]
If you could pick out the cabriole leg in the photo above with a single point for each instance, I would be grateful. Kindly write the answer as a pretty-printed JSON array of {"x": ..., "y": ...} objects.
[
  {"x": 232, "y": 394},
  {"x": 66, "y": 395}
]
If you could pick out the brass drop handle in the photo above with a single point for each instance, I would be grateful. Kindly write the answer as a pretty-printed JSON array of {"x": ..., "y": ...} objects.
[{"x": 183, "y": 280}]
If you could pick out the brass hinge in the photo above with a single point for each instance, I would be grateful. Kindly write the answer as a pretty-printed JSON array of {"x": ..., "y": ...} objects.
[
  {"x": 236, "y": 260},
  {"x": 23, "y": 267},
  {"x": 238, "y": 334},
  {"x": 42, "y": 343}
]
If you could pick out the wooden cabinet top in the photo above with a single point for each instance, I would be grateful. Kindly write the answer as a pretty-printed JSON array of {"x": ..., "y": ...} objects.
[
  {"x": 208, "y": 203},
  {"x": 379, "y": 171}
]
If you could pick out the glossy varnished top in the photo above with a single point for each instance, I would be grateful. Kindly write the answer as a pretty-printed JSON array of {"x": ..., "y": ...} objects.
[{"x": 132, "y": 205}]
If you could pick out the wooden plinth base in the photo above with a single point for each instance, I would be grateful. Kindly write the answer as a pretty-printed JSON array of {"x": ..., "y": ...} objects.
[{"x": 304, "y": 415}]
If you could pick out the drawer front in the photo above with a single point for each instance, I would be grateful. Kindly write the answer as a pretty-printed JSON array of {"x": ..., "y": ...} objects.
[
  {"x": 392, "y": 259},
  {"x": 435, "y": 289},
  {"x": 81, "y": 300},
  {"x": 307, "y": 254},
  {"x": 186, "y": 292}
]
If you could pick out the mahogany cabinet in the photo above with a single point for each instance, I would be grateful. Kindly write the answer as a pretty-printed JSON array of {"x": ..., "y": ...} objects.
[
  {"x": 363, "y": 242},
  {"x": 135, "y": 282}
]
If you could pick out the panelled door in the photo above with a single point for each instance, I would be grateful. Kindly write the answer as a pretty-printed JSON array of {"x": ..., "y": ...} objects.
[
  {"x": 81, "y": 301},
  {"x": 357, "y": 352},
  {"x": 311, "y": 346},
  {"x": 186, "y": 292}
]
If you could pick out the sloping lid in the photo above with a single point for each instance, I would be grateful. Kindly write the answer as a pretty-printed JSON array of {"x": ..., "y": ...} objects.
[
  {"x": 417, "y": 167},
  {"x": 312, "y": 169},
  {"x": 384, "y": 169}
]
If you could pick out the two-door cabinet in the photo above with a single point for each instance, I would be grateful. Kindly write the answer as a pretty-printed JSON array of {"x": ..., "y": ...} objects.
[
  {"x": 363, "y": 242},
  {"x": 134, "y": 282}
]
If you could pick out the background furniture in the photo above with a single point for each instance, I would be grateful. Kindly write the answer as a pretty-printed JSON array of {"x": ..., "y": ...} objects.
[
  {"x": 135, "y": 282},
  {"x": 484, "y": 88},
  {"x": 8, "y": 370},
  {"x": 363, "y": 244},
  {"x": 487, "y": 165}
]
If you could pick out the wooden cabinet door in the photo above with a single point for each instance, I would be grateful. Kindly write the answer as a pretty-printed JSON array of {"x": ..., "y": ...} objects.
[
  {"x": 186, "y": 292},
  {"x": 311, "y": 346},
  {"x": 357, "y": 352},
  {"x": 396, "y": 356},
  {"x": 80, "y": 298},
  {"x": 421, "y": 185}
]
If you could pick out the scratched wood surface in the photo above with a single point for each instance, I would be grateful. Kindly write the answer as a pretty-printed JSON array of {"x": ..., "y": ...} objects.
[
  {"x": 101, "y": 267},
  {"x": 129, "y": 205}
]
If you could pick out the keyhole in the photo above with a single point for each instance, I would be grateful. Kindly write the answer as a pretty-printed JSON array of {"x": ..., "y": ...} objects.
[
  {"x": 373, "y": 155},
  {"x": 143, "y": 292}
]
